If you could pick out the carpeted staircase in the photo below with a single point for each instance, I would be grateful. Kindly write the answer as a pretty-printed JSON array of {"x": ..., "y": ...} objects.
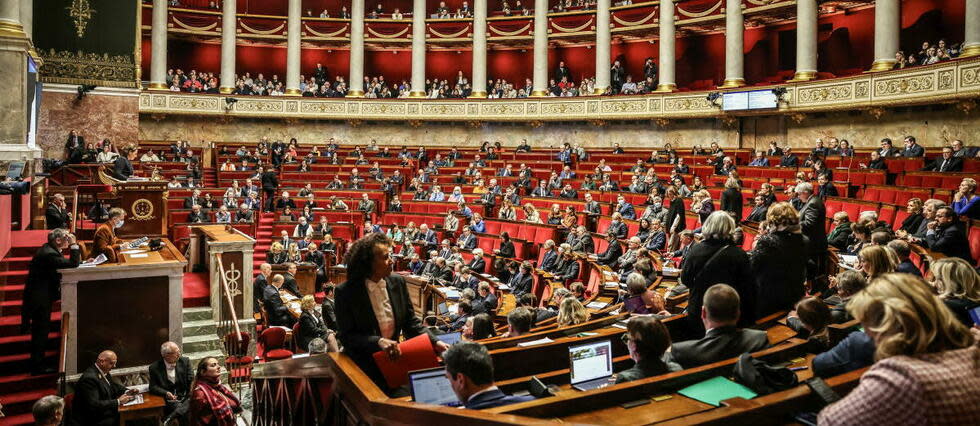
[{"x": 18, "y": 389}]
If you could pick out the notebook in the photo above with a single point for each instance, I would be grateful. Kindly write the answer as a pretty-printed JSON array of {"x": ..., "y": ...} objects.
[{"x": 715, "y": 390}]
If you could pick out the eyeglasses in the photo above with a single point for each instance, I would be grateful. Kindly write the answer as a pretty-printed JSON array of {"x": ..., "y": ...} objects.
[{"x": 626, "y": 338}]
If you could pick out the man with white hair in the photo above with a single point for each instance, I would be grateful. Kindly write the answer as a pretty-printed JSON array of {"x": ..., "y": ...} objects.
[
  {"x": 813, "y": 219},
  {"x": 48, "y": 411},
  {"x": 170, "y": 378}
]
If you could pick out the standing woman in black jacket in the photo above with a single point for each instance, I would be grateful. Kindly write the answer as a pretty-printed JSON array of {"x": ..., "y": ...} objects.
[
  {"x": 779, "y": 262},
  {"x": 717, "y": 260},
  {"x": 731, "y": 198},
  {"x": 674, "y": 220}
]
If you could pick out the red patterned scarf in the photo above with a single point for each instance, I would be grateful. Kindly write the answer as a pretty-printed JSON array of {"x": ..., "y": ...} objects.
[{"x": 221, "y": 400}]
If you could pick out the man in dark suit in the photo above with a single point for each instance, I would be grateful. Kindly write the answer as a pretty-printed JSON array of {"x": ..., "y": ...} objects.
[
  {"x": 269, "y": 185},
  {"x": 568, "y": 269},
  {"x": 466, "y": 241},
  {"x": 520, "y": 283},
  {"x": 194, "y": 199},
  {"x": 373, "y": 307},
  {"x": 122, "y": 167},
  {"x": 427, "y": 237},
  {"x": 477, "y": 264},
  {"x": 550, "y": 257},
  {"x": 197, "y": 215},
  {"x": 813, "y": 221},
  {"x": 56, "y": 214},
  {"x": 946, "y": 236},
  {"x": 289, "y": 280},
  {"x": 260, "y": 282},
  {"x": 912, "y": 149},
  {"x": 97, "y": 396},
  {"x": 470, "y": 371},
  {"x": 42, "y": 289},
  {"x": 887, "y": 150},
  {"x": 723, "y": 340},
  {"x": 485, "y": 300},
  {"x": 74, "y": 143},
  {"x": 329, "y": 307},
  {"x": 612, "y": 253},
  {"x": 788, "y": 159},
  {"x": 946, "y": 163},
  {"x": 562, "y": 72},
  {"x": 277, "y": 312},
  {"x": 825, "y": 188},
  {"x": 170, "y": 378},
  {"x": 617, "y": 227},
  {"x": 591, "y": 206},
  {"x": 583, "y": 241}
]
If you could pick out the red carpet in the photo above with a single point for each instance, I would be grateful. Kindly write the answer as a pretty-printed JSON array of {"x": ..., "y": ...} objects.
[{"x": 197, "y": 290}]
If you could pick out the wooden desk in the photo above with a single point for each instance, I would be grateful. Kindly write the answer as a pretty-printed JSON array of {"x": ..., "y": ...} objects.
[
  {"x": 305, "y": 276},
  {"x": 140, "y": 297},
  {"x": 152, "y": 407}
]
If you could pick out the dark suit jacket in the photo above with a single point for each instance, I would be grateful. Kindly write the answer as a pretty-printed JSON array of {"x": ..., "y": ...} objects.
[
  {"x": 718, "y": 344},
  {"x": 855, "y": 351},
  {"x": 329, "y": 313},
  {"x": 731, "y": 200},
  {"x": 43, "y": 285},
  {"x": 468, "y": 243},
  {"x": 675, "y": 212},
  {"x": 484, "y": 304},
  {"x": 160, "y": 384},
  {"x": 954, "y": 164},
  {"x": 788, "y": 161},
  {"x": 618, "y": 229},
  {"x": 570, "y": 271},
  {"x": 56, "y": 217},
  {"x": 611, "y": 255},
  {"x": 269, "y": 181},
  {"x": 478, "y": 265},
  {"x": 549, "y": 260},
  {"x": 495, "y": 398},
  {"x": 520, "y": 283},
  {"x": 358, "y": 328},
  {"x": 310, "y": 326},
  {"x": 813, "y": 219},
  {"x": 191, "y": 201},
  {"x": 289, "y": 284},
  {"x": 198, "y": 217},
  {"x": 122, "y": 168},
  {"x": 276, "y": 310},
  {"x": 95, "y": 399},
  {"x": 950, "y": 241}
]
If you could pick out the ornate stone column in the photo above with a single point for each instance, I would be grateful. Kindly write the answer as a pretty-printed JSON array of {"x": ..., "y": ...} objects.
[
  {"x": 971, "y": 39},
  {"x": 229, "y": 22},
  {"x": 540, "y": 81},
  {"x": 667, "y": 81},
  {"x": 27, "y": 17},
  {"x": 734, "y": 43},
  {"x": 479, "y": 79},
  {"x": 158, "y": 46},
  {"x": 14, "y": 48},
  {"x": 10, "y": 25},
  {"x": 806, "y": 40},
  {"x": 602, "y": 46},
  {"x": 418, "y": 50},
  {"x": 355, "y": 87},
  {"x": 293, "y": 47},
  {"x": 887, "y": 27}
]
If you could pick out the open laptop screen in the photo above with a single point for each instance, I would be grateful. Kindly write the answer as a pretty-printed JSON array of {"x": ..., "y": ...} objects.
[
  {"x": 431, "y": 386},
  {"x": 450, "y": 338},
  {"x": 590, "y": 361}
]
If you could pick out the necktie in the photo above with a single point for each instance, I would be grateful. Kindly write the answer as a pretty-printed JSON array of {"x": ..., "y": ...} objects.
[{"x": 943, "y": 167}]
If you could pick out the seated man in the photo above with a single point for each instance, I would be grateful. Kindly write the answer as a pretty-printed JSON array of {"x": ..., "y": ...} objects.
[
  {"x": 171, "y": 378},
  {"x": 722, "y": 340},
  {"x": 519, "y": 321},
  {"x": 274, "y": 307},
  {"x": 97, "y": 396},
  {"x": 486, "y": 301},
  {"x": 470, "y": 372},
  {"x": 946, "y": 236}
]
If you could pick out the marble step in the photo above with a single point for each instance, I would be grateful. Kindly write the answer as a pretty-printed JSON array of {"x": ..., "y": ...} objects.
[
  {"x": 200, "y": 328},
  {"x": 197, "y": 314},
  {"x": 201, "y": 343}
]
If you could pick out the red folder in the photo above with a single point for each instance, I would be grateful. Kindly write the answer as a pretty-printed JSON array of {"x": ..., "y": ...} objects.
[{"x": 417, "y": 354}]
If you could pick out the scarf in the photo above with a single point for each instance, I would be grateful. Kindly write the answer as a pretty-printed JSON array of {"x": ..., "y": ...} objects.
[{"x": 219, "y": 398}]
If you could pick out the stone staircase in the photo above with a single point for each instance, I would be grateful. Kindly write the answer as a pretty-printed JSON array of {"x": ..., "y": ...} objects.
[{"x": 200, "y": 335}]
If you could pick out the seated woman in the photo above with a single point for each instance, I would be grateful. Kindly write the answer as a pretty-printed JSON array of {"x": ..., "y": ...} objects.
[
  {"x": 311, "y": 326},
  {"x": 958, "y": 285},
  {"x": 571, "y": 312},
  {"x": 570, "y": 218},
  {"x": 287, "y": 213},
  {"x": 926, "y": 360},
  {"x": 966, "y": 202},
  {"x": 507, "y": 211},
  {"x": 212, "y": 403},
  {"x": 647, "y": 339},
  {"x": 911, "y": 223},
  {"x": 276, "y": 255},
  {"x": 555, "y": 215},
  {"x": 478, "y": 327},
  {"x": 395, "y": 234},
  {"x": 531, "y": 214},
  {"x": 810, "y": 319},
  {"x": 641, "y": 300}
]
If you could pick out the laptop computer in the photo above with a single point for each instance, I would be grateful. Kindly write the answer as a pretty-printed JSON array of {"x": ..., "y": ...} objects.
[
  {"x": 443, "y": 308},
  {"x": 450, "y": 338},
  {"x": 431, "y": 386},
  {"x": 591, "y": 365}
]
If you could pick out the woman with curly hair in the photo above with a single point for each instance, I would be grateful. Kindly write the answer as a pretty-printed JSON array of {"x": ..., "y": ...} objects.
[{"x": 779, "y": 262}]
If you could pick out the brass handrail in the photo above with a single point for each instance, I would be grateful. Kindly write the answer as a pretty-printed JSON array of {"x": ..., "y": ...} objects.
[{"x": 63, "y": 348}]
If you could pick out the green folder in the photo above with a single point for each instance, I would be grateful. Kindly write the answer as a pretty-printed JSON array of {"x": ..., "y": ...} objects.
[{"x": 715, "y": 390}]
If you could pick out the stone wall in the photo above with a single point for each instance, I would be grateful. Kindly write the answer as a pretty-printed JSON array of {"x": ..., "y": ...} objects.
[
  {"x": 932, "y": 126},
  {"x": 103, "y": 113}
]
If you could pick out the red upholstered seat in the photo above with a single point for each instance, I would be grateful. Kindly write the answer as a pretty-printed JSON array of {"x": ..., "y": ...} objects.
[
  {"x": 273, "y": 340},
  {"x": 973, "y": 235}
]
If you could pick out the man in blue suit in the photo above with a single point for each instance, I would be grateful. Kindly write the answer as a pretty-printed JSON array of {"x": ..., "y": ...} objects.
[
  {"x": 470, "y": 373},
  {"x": 624, "y": 208}
]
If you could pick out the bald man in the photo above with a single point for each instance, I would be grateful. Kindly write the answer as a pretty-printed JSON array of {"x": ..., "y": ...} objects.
[
  {"x": 170, "y": 378},
  {"x": 260, "y": 282},
  {"x": 97, "y": 396}
]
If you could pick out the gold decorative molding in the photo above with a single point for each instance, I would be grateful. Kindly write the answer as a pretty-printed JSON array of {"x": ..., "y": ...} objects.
[
  {"x": 946, "y": 82},
  {"x": 80, "y": 12},
  {"x": 88, "y": 68}
]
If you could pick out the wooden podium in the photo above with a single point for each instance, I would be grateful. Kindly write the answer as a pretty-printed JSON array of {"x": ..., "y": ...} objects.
[
  {"x": 227, "y": 254},
  {"x": 130, "y": 307},
  {"x": 145, "y": 203}
]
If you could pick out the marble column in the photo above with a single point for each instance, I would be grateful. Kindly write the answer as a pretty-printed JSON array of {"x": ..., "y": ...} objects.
[
  {"x": 158, "y": 46},
  {"x": 294, "y": 30},
  {"x": 14, "y": 48},
  {"x": 887, "y": 27},
  {"x": 540, "y": 82},
  {"x": 668, "y": 50},
  {"x": 355, "y": 86},
  {"x": 734, "y": 43},
  {"x": 479, "y": 79},
  {"x": 27, "y": 17},
  {"x": 806, "y": 40},
  {"x": 418, "y": 50},
  {"x": 971, "y": 39},
  {"x": 229, "y": 22},
  {"x": 603, "y": 42}
]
